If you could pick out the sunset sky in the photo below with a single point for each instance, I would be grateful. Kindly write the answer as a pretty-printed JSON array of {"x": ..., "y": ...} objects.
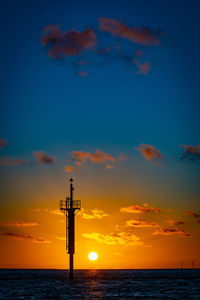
[{"x": 106, "y": 92}]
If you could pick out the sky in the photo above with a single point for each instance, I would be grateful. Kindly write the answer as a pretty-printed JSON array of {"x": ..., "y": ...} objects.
[{"x": 105, "y": 92}]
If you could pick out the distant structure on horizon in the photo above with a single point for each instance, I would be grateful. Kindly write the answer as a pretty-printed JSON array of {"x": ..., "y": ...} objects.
[
  {"x": 182, "y": 262},
  {"x": 70, "y": 208}
]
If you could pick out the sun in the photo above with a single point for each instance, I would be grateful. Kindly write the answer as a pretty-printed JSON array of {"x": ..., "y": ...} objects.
[{"x": 93, "y": 256}]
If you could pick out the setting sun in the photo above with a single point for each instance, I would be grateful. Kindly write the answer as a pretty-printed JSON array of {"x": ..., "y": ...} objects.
[{"x": 93, "y": 256}]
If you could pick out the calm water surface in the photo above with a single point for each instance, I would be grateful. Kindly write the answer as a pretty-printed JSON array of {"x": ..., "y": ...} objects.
[{"x": 100, "y": 284}]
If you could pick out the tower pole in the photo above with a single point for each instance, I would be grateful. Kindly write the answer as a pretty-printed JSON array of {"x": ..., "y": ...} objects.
[
  {"x": 70, "y": 207},
  {"x": 71, "y": 233}
]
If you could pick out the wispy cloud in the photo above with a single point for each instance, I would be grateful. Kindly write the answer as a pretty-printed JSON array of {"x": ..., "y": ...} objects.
[
  {"x": 150, "y": 153},
  {"x": 67, "y": 43},
  {"x": 140, "y": 223},
  {"x": 79, "y": 158},
  {"x": 3, "y": 143},
  {"x": 30, "y": 238},
  {"x": 82, "y": 73},
  {"x": 47, "y": 210},
  {"x": 18, "y": 224},
  {"x": 7, "y": 161},
  {"x": 56, "y": 212},
  {"x": 43, "y": 158},
  {"x": 172, "y": 231},
  {"x": 172, "y": 222},
  {"x": 135, "y": 34},
  {"x": 40, "y": 156},
  {"x": 144, "y": 68},
  {"x": 95, "y": 213},
  {"x": 191, "y": 153},
  {"x": 70, "y": 168},
  {"x": 195, "y": 215},
  {"x": 39, "y": 209},
  {"x": 122, "y": 238},
  {"x": 139, "y": 209},
  {"x": 61, "y": 238}
]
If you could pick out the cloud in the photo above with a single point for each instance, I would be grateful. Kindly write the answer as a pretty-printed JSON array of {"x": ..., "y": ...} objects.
[
  {"x": 96, "y": 213},
  {"x": 172, "y": 231},
  {"x": 43, "y": 158},
  {"x": 82, "y": 74},
  {"x": 6, "y": 161},
  {"x": 79, "y": 158},
  {"x": 70, "y": 168},
  {"x": 109, "y": 167},
  {"x": 196, "y": 215},
  {"x": 143, "y": 68},
  {"x": 3, "y": 143},
  {"x": 139, "y": 209},
  {"x": 91, "y": 47},
  {"x": 122, "y": 238},
  {"x": 174, "y": 222},
  {"x": 39, "y": 209},
  {"x": 140, "y": 223},
  {"x": 30, "y": 238},
  {"x": 18, "y": 224},
  {"x": 191, "y": 153},
  {"x": 67, "y": 43},
  {"x": 150, "y": 153},
  {"x": 61, "y": 238},
  {"x": 51, "y": 211},
  {"x": 139, "y": 35},
  {"x": 56, "y": 212}
]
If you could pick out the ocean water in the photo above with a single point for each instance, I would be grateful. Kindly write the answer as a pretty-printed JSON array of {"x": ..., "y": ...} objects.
[{"x": 100, "y": 284}]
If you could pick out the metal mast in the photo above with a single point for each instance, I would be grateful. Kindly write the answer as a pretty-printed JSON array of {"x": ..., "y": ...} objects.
[{"x": 70, "y": 208}]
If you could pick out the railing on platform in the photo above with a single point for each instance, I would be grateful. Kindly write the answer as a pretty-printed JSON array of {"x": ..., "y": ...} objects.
[{"x": 65, "y": 204}]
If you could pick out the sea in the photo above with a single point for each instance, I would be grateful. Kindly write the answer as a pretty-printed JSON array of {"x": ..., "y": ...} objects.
[{"x": 100, "y": 284}]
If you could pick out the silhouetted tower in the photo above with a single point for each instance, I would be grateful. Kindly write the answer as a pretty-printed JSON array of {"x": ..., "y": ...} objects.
[
  {"x": 182, "y": 264},
  {"x": 70, "y": 208},
  {"x": 192, "y": 264}
]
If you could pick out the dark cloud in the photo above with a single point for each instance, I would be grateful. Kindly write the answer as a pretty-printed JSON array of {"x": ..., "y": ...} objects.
[
  {"x": 7, "y": 161},
  {"x": 140, "y": 223},
  {"x": 195, "y": 215},
  {"x": 3, "y": 143},
  {"x": 172, "y": 222},
  {"x": 18, "y": 224},
  {"x": 95, "y": 48},
  {"x": 191, "y": 153},
  {"x": 30, "y": 238},
  {"x": 135, "y": 34},
  {"x": 172, "y": 231},
  {"x": 150, "y": 153},
  {"x": 67, "y": 43},
  {"x": 43, "y": 158}
]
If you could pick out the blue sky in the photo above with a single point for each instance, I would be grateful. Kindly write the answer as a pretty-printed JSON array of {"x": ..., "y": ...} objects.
[{"x": 47, "y": 106}]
